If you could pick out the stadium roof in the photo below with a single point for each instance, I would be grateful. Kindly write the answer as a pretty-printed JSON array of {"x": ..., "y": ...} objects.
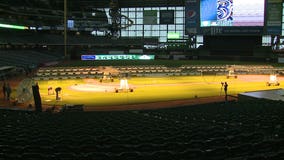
[
  {"x": 131, "y": 3},
  {"x": 77, "y": 4},
  {"x": 49, "y": 13}
]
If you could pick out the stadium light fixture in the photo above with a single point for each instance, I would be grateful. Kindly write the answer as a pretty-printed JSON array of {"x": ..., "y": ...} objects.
[{"x": 13, "y": 26}]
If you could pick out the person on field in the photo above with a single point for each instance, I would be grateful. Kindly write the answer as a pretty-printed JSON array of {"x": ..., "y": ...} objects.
[
  {"x": 8, "y": 91},
  {"x": 225, "y": 90},
  {"x": 4, "y": 90}
]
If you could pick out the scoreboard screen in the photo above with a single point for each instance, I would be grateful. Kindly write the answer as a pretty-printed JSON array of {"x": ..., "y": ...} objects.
[{"x": 229, "y": 13}]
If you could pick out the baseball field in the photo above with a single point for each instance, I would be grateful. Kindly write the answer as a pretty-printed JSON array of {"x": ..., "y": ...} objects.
[{"x": 92, "y": 93}]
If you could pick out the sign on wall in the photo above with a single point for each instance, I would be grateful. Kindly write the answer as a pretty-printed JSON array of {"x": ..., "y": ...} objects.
[{"x": 118, "y": 57}]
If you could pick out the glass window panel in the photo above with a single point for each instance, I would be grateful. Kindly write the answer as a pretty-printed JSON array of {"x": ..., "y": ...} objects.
[
  {"x": 147, "y": 33},
  {"x": 134, "y": 21},
  {"x": 124, "y": 13},
  {"x": 155, "y": 27},
  {"x": 163, "y": 33},
  {"x": 131, "y": 15},
  {"x": 171, "y": 27},
  {"x": 163, "y": 27},
  {"x": 181, "y": 33},
  {"x": 179, "y": 13},
  {"x": 179, "y": 27},
  {"x": 155, "y": 33},
  {"x": 199, "y": 38},
  {"x": 139, "y": 27},
  {"x": 131, "y": 27},
  {"x": 139, "y": 9},
  {"x": 124, "y": 9},
  {"x": 179, "y": 8},
  {"x": 179, "y": 20},
  {"x": 123, "y": 21},
  {"x": 266, "y": 40},
  {"x": 132, "y": 34},
  {"x": 136, "y": 30},
  {"x": 139, "y": 33},
  {"x": 163, "y": 39},
  {"x": 124, "y": 33},
  {"x": 147, "y": 27},
  {"x": 139, "y": 21},
  {"x": 139, "y": 14}
]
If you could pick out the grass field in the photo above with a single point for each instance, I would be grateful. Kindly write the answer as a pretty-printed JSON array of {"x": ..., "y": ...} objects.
[{"x": 151, "y": 89}]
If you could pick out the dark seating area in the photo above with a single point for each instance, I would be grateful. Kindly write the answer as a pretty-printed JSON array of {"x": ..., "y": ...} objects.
[
  {"x": 150, "y": 70},
  {"x": 57, "y": 38},
  {"x": 232, "y": 131},
  {"x": 25, "y": 57}
]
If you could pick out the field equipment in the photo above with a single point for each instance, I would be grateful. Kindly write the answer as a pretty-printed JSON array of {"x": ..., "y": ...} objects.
[
  {"x": 231, "y": 74},
  {"x": 273, "y": 80}
]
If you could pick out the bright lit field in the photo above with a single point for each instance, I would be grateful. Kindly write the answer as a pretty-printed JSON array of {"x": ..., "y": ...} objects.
[{"x": 152, "y": 89}]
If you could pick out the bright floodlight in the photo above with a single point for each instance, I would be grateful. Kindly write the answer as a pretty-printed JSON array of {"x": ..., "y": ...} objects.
[
  {"x": 124, "y": 84},
  {"x": 13, "y": 26},
  {"x": 273, "y": 78}
]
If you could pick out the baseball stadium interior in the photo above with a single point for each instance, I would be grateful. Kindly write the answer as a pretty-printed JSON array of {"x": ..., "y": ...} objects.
[{"x": 142, "y": 79}]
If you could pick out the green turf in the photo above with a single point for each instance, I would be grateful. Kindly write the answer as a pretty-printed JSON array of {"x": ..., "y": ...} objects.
[{"x": 148, "y": 89}]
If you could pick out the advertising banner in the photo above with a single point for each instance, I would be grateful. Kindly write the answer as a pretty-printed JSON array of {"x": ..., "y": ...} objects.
[
  {"x": 192, "y": 17},
  {"x": 117, "y": 57},
  {"x": 274, "y": 17}
]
